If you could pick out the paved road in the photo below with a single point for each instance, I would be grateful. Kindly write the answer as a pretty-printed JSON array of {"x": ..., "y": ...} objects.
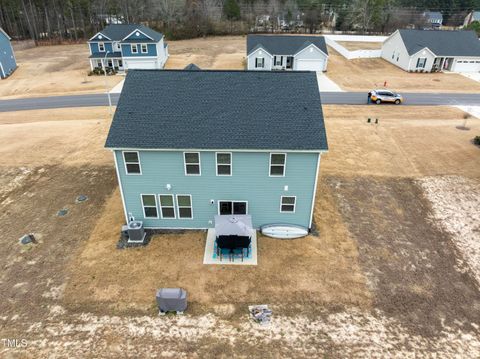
[{"x": 343, "y": 98}]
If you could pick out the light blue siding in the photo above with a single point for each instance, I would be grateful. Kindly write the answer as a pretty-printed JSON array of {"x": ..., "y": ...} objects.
[
  {"x": 7, "y": 58},
  {"x": 127, "y": 50},
  {"x": 250, "y": 181}
]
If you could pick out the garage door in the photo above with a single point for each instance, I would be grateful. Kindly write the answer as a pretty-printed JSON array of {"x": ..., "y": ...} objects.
[
  {"x": 464, "y": 65},
  {"x": 310, "y": 65},
  {"x": 141, "y": 65}
]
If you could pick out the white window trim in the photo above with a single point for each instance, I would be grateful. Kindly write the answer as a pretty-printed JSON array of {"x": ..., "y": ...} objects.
[
  {"x": 185, "y": 164},
  {"x": 146, "y": 48},
  {"x": 284, "y": 165},
  {"x": 287, "y": 204},
  {"x": 143, "y": 205},
  {"x": 125, "y": 164},
  {"x": 134, "y": 46},
  {"x": 223, "y": 164},
  {"x": 173, "y": 206},
  {"x": 231, "y": 200},
  {"x": 424, "y": 64},
  {"x": 256, "y": 62},
  {"x": 178, "y": 206},
  {"x": 103, "y": 45}
]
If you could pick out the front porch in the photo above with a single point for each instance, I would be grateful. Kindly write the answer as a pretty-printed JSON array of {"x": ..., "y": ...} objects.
[
  {"x": 281, "y": 62},
  {"x": 442, "y": 64},
  {"x": 115, "y": 63}
]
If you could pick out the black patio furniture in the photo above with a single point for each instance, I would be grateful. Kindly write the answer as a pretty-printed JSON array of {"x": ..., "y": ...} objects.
[{"x": 232, "y": 243}]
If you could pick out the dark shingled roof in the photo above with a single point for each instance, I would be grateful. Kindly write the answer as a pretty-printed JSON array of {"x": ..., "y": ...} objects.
[
  {"x": 117, "y": 32},
  {"x": 442, "y": 42},
  {"x": 284, "y": 44},
  {"x": 181, "y": 109},
  {"x": 192, "y": 67}
]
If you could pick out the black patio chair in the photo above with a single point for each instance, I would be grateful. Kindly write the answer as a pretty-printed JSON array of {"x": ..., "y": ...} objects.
[
  {"x": 225, "y": 242},
  {"x": 242, "y": 243}
]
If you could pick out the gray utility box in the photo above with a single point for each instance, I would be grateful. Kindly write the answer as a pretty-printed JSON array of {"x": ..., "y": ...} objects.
[
  {"x": 172, "y": 299},
  {"x": 136, "y": 232}
]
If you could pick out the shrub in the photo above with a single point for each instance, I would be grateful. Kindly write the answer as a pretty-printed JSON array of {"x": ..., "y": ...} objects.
[{"x": 476, "y": 140}]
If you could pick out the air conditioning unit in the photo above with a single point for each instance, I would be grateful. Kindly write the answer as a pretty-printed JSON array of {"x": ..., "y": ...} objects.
[
  {"x": 171, "y": 300},
  {"x": 136, "y": 232}
]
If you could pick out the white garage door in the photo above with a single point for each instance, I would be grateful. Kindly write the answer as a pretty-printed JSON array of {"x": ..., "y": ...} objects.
[
  {"x": 467, "y": 65},
  {"x": 141, "y": 65},
  {"x": 310, "y": 65}
]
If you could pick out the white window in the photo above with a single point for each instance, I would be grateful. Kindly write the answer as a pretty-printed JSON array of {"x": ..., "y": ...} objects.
[
  {"x": 134, "y": 48},
  {"x": 192, "y": 163},
  {"x": 287, "y": 204},
  {"x": 393, "y": 55},
  {"x": 116, "y": 46},
  {"x": 277, "y": 164},
  {"x": 167, "y": 206},
  {"x": 144, "y": 48},
  {"x": 99, "y": 64},
  {"x": 149, "y": 204},
  {"x": 110, "y": 63},
  {"x": 101, "y": 47},
  {"x": 224, "y": 163},
  {"x": 184, "y": 206},
  {"x": 259, "y": 62},
  {"x": 277, "y": 60},
  {"x": 421, "y": 62},
  {"x": 232, "y": 207},
  {"x": 132, "y": 163}
]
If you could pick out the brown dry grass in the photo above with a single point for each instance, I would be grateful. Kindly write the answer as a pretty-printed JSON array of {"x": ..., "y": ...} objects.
[
  {"x": 125, "y": 279},
  {"x": 45, "y": 137},
  {"x": 226, "y": 52},
  {"x": 366, "y": 74},
  {"x": 408, "y": 141},
  {"x": 53, "y": 70},
  {"x": 357, "y": 45}
]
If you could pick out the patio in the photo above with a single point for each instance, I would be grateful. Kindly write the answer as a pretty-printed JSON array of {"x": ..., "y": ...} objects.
[{"x": 232, "y": 241}]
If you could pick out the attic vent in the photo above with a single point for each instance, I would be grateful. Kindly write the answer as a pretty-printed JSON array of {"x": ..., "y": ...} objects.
[
  {"x": 100, "y": 37},
  {"x": 137, "y": 33}
]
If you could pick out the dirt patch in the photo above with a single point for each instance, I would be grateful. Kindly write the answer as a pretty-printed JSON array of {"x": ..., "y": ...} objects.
[
  {"x": 226, "y": 52},
  {"x": 54, "y": 70},
  {"x": 410, "y": 263},
  {"x": 34, "y": 202},
  {"x": 407, "y": 141},
  {"x": 357, "y": 45},
  {"x": 456, "y": 208},
  {"x": 368, "y": 74},
  {"x": 176, "y": 260}
]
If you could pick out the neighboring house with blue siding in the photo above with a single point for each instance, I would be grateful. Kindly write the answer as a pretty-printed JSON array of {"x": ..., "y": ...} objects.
[
  {"x": 128, "y": 46},
  {"x": 191, "y": 144},
  {"x": 8, "y": 63}
]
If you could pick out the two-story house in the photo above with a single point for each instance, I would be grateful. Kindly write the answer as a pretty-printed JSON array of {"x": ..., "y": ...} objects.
[
  {"x": 192, "y": 144},
  {"x": 128, "y": 46},
  {"x": 8, "y": 63}
]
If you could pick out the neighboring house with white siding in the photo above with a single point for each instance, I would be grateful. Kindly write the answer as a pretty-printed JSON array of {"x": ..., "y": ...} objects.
[
  {"x": 431, "y": 50},
  {"x": 128, "y": 46},
  {"x": 284, "y": 52},
  {"x": 192, "y": 144}
]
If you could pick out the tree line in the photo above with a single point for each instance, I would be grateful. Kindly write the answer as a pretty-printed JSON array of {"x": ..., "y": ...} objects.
[{"x": 77, "y": 20}]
